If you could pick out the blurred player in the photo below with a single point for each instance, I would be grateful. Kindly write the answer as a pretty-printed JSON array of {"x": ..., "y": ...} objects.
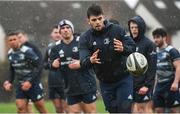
[
  {"x": 143, "y": 85},
  {"x": 166, "y": 94},
  {"x": 55, "y": 80},
  {"x": 81, "y": 84},
  {"x": 105, "y": 47},
  {"x": 24, "y": 40},
  {"x": 24, "y": 68}
]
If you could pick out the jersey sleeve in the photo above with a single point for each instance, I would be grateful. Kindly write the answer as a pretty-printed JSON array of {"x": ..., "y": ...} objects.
[
  {"x": 33, "y": 59},
  {"x": 152, "y": 61},
  {"x": 174, "y": 54},
  {"x": 84, "y": 52},
  {"x": 128, "y": 43}
]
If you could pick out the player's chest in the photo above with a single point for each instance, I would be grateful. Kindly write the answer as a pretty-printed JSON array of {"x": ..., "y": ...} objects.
[
  {"x": 17, "y": 57},
  {"x": 70, "y": 50}
]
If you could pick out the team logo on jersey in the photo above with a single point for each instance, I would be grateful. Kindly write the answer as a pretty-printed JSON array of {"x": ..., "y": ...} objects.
[
  {"x": 61, "y": 53},
  {"x": 106, "y": 41},
  {"x": 21, "y": 56},
  {"x": 75, "y": 49},
  {"x": 10, "y": 58},
  {"x": 94, "y": 43},
  {"x": 164, "y": 55}
]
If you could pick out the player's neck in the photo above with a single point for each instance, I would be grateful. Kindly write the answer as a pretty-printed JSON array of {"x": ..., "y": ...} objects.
[
  {"x": 164, "y": 46},
  {"x": 67, "y": 41}
]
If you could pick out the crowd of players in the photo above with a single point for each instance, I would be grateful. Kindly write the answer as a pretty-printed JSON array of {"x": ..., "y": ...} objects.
[{"x": 74, "y": 61}]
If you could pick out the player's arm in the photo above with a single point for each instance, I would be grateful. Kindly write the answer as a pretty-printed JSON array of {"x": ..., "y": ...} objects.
[
  {"x": 84, "y": 52},
  {"x": 124, "y": 44},
  {"x": 45, "y": 60},
  {"x": 8, "y": 83},
  {"x": 152, "y": 62},
  {"x": 174, "y": 86},
  {"x": 175, "y": 57},
  {"x": 87, "y": 57},
  {"x": 54, "y": 62},
  {"x": 34, "y": 60}
]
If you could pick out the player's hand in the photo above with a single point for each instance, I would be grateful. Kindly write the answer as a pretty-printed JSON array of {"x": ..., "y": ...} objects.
[
  {"x": 26, "y": 85},
  {"x": 7, "y": 86},
  {"x": 56, "y": 63},
  {"x": 94, "y": 58},
  {"x": 143, "y": 90},
  {"x": 174, "y": 86},
  {"x": 118, "y": 46},
  {"x": 74, "y": 65}
]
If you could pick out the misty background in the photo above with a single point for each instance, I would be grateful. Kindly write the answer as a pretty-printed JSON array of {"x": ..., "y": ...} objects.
[{"x": 36, "y": 18}]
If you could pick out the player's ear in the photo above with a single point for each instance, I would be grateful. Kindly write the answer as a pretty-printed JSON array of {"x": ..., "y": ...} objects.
[{"x": 88, "y": 20}]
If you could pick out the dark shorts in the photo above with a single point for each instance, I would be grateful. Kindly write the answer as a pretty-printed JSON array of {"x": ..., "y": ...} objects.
[
  {"x": 118, "y": 96},
  {"x": 85, "y": 98},
  {"x": 163, "y": 97},
  {"x": 35, "y": 93},
  {"x": 56, "y": 92},
  {"x": 56, "y": 85},
  {"x": 137, "y": 98}
]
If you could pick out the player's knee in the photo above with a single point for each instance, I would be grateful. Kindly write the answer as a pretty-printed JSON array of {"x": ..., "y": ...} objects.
[
  {"x": 21, "y": 109},
  {"x": 59, "y": 109},
  {"x": 74, "y": 110},
  {"x": 159, "y": 110}
]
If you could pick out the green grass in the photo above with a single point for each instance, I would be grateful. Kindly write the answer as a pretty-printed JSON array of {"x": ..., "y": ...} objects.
[{"x": 11, "y": 107}]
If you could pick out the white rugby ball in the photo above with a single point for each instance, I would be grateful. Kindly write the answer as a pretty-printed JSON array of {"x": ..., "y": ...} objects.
[{"x": 137, "y": 64}]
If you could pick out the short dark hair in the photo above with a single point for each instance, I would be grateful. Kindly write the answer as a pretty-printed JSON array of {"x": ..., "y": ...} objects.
[
  {"x": 55, "y": 26},
  {"x": 11, "y": 32},
  {"x": 94, "y": 10},
  {"x": 160, "y": 32}
]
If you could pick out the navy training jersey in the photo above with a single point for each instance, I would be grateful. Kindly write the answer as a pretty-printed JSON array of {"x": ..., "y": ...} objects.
[
  {"x": 80, "y": 81},
  {"x": 23, "y": 64},
  {"x": 165, "y": 68},
  {"x": 54, "y": 78},
  {"x": 47, "y": 57}
]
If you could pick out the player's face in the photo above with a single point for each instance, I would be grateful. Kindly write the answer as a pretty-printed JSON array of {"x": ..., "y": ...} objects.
[
  {"x": 158, "y": 40},
  {"x": 66, "y": 32},
  {"x": 96, "y": 22},
  {"x": 22, "y": 38},
  {"x": 55, "y": 35},
  {"x": 134, "y": 29},
  {"x": 13, "y": 42}
]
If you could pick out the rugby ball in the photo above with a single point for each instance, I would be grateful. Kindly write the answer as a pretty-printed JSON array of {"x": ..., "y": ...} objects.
[{"x": 137, "y": 64}]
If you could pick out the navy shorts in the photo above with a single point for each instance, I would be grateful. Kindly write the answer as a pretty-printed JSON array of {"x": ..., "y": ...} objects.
[
  {"x": 56, "y": 92},
  {"x": 137, "y": 98},
  {"x": 35, "y": 93},
  {"x": 85, "y": 98},
  {"x": 163, "y": 97},
  {"x": 118, "y": 96}
]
